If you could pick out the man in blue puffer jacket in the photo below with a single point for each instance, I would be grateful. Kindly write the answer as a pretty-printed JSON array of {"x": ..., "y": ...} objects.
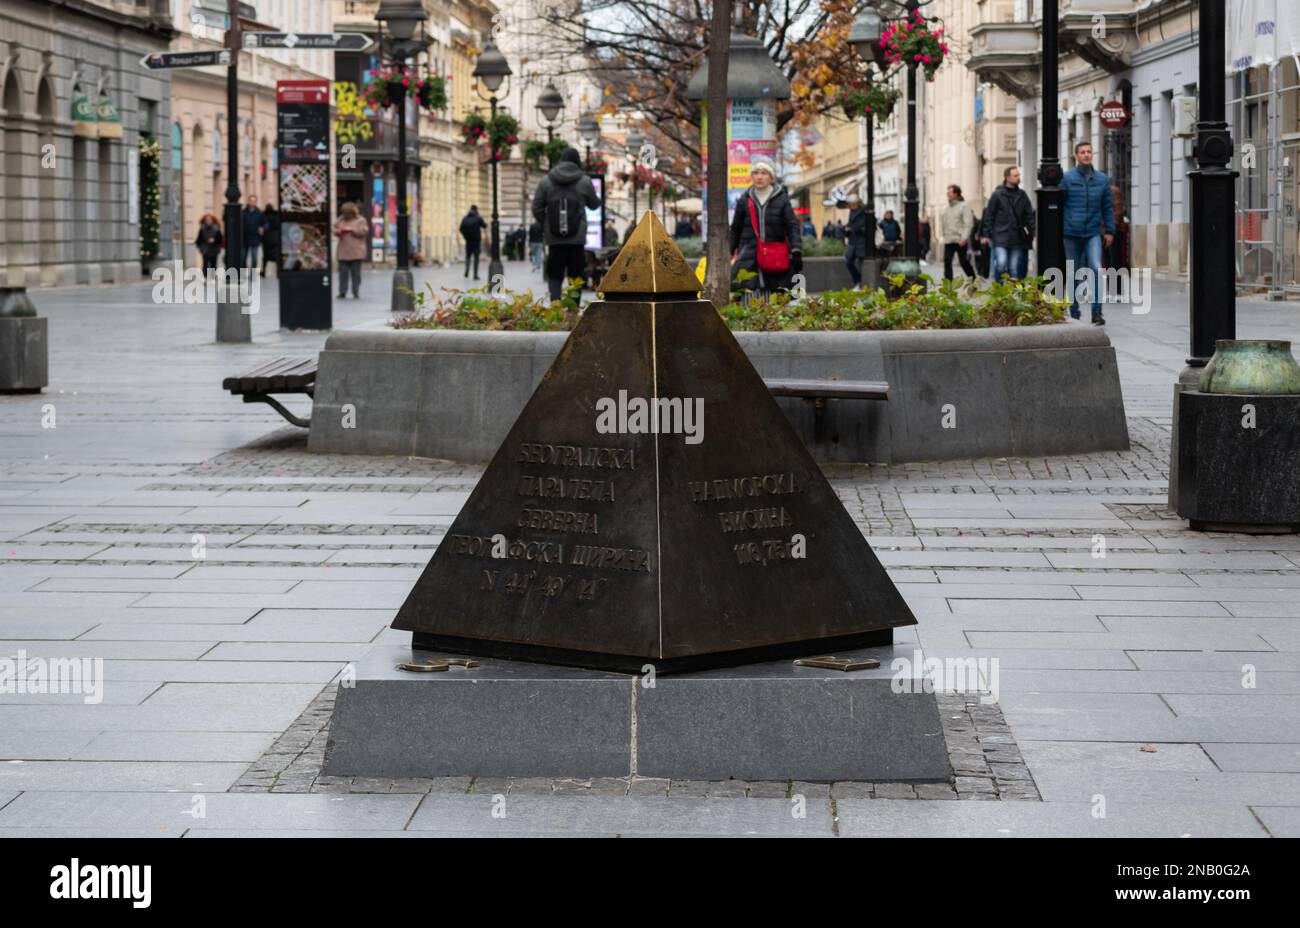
[{"x": 1089, "y": 217}]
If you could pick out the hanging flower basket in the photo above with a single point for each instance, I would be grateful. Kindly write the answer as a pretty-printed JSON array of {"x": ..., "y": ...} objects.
[
  {"x": 911, "y": 43},
  {"x": 596, "y": 163},
  {"x": 502, "y": 133},
  {"x": 384, "y": 87},
  {"x": 869, "y": 98}
]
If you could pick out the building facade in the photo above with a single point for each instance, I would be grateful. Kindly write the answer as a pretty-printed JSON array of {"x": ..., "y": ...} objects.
[
  {"x": 79, "y": 119},
  {"x": 444, "y": 175},
  {"x": 1139, "y": 53},
  {"x": 197, "y": 149}
]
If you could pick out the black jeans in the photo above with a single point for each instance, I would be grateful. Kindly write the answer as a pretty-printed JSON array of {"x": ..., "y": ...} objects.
[
  {"x": 350, "y": 269},
  {"x": 950, "y": 249},
  {"x": 472, "y": 251},
  {"x": 563, "y": 262},
  {"x": 853, "y": 255}
]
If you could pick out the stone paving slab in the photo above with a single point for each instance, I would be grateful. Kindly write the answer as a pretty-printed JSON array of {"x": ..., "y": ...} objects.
[
  {"x": 188, "y": 746},
  {"x": 1281, "y": 821},
  {"x": 921, "y": 819},
  {"x": 1255, "y": 757},
  {"x": 624, "y": 815},
  {"x": 121, "y": 810},
  {"x": 145, "y": 776}
]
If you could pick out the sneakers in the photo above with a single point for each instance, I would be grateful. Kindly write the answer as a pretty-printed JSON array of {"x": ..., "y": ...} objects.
[
  {"x": 1074, "y": 313},
  {"x": 1098, "y": 320},
  {"x": 343, "y": 296}
]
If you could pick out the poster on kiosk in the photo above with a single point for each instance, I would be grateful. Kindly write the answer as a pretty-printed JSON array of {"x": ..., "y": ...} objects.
[{"x": 303, "y": 147}]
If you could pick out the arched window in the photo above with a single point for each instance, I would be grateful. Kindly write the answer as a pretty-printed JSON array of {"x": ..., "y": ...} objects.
[
  {"x": 178, "y": 147},
  {"x": 214, "y": 160}
]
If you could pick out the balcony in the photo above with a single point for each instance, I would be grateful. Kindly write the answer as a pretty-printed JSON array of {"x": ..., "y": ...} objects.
[
  {"x": 1101, "y": 32},
  {"x": 1008, "y": 56}
]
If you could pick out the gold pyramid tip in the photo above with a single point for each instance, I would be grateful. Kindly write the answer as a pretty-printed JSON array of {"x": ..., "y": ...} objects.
[{"x": 649, "y": 262}]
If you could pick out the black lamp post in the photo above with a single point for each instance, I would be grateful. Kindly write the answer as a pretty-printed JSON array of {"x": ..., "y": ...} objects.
[
  {"x": 492, "y": 69},
  {"x": 1213, "y": 274},
  {"x": 633, "y": 146},
  {"x": 402, "y": 17},
  {"x": 911, "y": 195},
  {"x": 550, "y": 104},
  {"x": 1051, "y": 196},
  {"x": 865, "y": 40},
  {"x": 589, "y": 130}
]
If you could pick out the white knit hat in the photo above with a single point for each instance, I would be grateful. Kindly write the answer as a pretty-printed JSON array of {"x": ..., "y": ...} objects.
[{"x": 763, "y": 166}]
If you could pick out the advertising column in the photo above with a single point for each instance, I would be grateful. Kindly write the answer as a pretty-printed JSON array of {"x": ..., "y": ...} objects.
[
  {"x": 751, "y": 137},
  {"x": 303, "y": 121}
]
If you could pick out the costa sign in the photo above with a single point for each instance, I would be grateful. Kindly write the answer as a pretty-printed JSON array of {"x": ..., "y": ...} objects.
[{"x": 1113, "y": 115}]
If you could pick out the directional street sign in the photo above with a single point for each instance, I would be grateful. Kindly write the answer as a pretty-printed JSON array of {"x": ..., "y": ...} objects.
[
  {"x": 157, "y": 61},
  {"x": 342, "y": 41}
]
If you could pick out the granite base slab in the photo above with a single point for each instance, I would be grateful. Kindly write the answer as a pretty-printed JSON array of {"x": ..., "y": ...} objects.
[{"x": 770, "y": 721}]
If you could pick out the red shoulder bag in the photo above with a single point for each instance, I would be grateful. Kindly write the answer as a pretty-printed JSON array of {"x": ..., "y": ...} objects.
[{"x": 773, "y": 257}]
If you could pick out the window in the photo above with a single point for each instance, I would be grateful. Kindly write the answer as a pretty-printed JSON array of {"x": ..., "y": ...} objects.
[{"x": 178, "y": 147}]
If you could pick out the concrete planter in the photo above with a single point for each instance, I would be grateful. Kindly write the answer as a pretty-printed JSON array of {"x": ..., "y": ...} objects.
[
  {"x": 954, "y": 394},
  {"x": 822, "y": 274},
  {"x": 24, "y": 344}
]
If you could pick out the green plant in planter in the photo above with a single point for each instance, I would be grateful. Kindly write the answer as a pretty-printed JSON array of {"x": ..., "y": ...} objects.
[{"x": 542, "y": 156}]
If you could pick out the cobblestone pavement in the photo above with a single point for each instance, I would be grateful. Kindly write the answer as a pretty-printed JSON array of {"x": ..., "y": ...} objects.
[{"x": 1148, "y": 677}]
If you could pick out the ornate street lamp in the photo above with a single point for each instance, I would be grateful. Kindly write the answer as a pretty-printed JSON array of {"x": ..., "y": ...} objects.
[
  {"x": 1051, "y": 196},
  {"x": 589, "y": 131},
  {"x": 402, "y": 17},
  {"x": 864, "y": 37},
  {"x": 492, "y": 70},
  {"x": 550, "y": 104}
]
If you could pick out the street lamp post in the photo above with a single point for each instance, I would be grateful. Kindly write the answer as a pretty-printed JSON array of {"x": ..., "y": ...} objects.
[
  {"x": 233, "y": 324},
  {"x": 634, "y": 142},
  {"x": 865, "y": 40},
  {"x": 550, "y": 104},
  {"x": 911, "y": 195},
  {"x": 401, "y": 17},
  {"x": 492, "y": 69},
  {"x": 1213, "y": 306},
  {"x": 589, "y": 130},
  {"x": 1051, "y": 196}
]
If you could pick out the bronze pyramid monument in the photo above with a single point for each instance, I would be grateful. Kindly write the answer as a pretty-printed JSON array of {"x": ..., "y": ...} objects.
[{"x": 652, "y": 505}]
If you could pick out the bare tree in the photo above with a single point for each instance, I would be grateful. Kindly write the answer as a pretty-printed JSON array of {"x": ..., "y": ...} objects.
[{"x": 717, "y": 285}]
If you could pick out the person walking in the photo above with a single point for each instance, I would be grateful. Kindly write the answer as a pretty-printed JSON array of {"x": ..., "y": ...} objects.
[
  {"x": 560, "y": 204},
  {"x": 271, "y": 240},
  {"x": 891, "y": 233},
  {"x": 209, "y": 241},
  {"x": 352, "y": 231},
  {"x": 764, "y": 216},
  {"x": 471, "y": 230},
  {"x": 1089, "y": 221},
  {"x": 828, "y": 231},
  {"x": 860, "y": 231},
  {"x": 1008, "y": 226},
  {"x": 536, "y": 244},
  {"x": 253, "y": 227},
  {"x": 954, "y": 230}
]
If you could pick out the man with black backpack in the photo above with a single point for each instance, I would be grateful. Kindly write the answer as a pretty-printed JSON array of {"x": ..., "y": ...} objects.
[
  {"x": 560, "y": 204},
  {"x": 471, "y": 230}
]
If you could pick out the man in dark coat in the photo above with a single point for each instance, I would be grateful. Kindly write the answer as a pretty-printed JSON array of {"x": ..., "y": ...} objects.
[
  {"x": 776, "y": 222},
  {"x": 560, "y": 204},
  {"x": 860, "y": 230},
  {"x": 471, "y": 230},
  {"x": 891, "y": 233},
  {"x": 252, "y": 226},
  {"x": 1008, "y": 225}
]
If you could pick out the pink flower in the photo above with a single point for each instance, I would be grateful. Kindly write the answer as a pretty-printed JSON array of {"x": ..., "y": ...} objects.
[{"x": 406, "y": 82}]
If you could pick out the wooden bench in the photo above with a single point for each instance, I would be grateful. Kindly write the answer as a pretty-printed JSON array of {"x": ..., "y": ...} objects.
[
  {"x": 818, "y": 392},
  {"x": 279, "y": 375}
]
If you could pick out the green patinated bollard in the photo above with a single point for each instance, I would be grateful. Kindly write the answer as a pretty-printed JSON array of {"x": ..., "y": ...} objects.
[{"x": 1252, "y": 368}]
